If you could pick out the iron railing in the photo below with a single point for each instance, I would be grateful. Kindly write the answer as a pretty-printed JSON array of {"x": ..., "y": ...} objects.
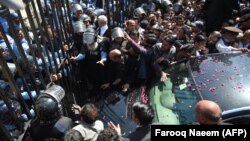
[{"x": 40, "y": 17}]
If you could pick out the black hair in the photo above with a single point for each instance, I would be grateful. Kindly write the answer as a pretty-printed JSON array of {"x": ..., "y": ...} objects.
[
  {"x": 144, "y": 113},
  {"x": 171, "y": 38},
  {"x": 108, "y": 134},
  {"x": 199, "y": 38},
  {"x": 150, "y": 39},
  {"x": 73, "y": 135},
  {"x": 153, "y": 22},
  {"x": 89, "y": 113},
  {"x": 144, "y": 24}
]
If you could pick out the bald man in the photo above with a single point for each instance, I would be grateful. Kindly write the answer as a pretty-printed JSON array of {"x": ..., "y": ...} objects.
[
  {"x": 207, "y": 112},
  {"x": 115, "y": 55},
  {"x": 130, "y": 25}
]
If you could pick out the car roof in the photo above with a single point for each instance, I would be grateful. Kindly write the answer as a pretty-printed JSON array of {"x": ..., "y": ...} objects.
[{"x": 223, "y": 78}]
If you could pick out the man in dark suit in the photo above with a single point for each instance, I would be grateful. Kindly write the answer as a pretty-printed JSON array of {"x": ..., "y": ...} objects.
[
  {"x": 143, "y": 116},
  {"x": 103, "y": 29}
]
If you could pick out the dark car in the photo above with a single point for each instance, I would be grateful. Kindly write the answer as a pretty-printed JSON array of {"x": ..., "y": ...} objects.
[{"x": 223, "y": 78}]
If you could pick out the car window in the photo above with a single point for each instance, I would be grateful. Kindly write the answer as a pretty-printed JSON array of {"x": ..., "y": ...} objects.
[
  {"x": 175, "y": 98},
  {"x": 223, "y": 78},
  {"x": 185, "y": 93}
]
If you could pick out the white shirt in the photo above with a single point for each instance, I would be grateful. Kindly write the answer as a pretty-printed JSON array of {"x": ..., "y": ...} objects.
[
  {"x": 197, "y": 53},
  {"x": 103, "y": 29},
  {"x": 221, "y": 47}
]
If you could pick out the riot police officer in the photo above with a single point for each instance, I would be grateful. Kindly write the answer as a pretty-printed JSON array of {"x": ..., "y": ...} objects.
[
  {"x": 49, "y": 124},
  {"x": 94, "y": 54}
]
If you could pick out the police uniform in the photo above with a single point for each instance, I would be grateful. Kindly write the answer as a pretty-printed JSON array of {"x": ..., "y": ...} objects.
[{"x": 57, "y": 130}]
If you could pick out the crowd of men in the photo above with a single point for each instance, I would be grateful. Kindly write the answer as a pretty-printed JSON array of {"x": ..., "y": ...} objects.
[{"x": 157, "y": 35}]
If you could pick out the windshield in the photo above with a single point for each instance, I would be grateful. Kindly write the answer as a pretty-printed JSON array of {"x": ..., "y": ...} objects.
[
  {"x": 175, "y": 98},
  {"x": 223, "y": 78}
]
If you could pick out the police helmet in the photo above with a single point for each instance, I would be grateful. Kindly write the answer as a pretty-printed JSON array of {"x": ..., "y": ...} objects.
[
  {"x": 48, "y": 110},
  {"x": 84, "y": 6},
  {"x": 138, "y": 12},
  {"x": 157, "y": 1},
  {"x": 89, "y": 36},
  {"x": 178, "y": 7},
  {"x": 99, "y": 12},
  {"x": 76, "y": 7},
  {"x": 84, "y": 18},
  {"x": 145, "y": 6},
  {"x": 48, "y": 104},
  {"x": 78, "y": 27},
  {"x": 166, "y": 3},
  {"x": 117, "y": 32}
]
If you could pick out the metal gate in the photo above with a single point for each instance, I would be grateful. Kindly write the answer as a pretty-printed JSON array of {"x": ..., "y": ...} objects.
[{"x": 32, "y": 71}]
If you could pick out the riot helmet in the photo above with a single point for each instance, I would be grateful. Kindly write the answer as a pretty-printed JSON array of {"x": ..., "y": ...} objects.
[
  {"x": 139, "y": 12},
  {"x": 48, "y": 105},
  {"x": 47, "y": 109},
  {"x": 157, "y": 1},
  {"x": 145, "y": 6},
  {"x": 89, "y": 36},
  {"x": 84, "y": 18},
  {"x": 99, "y": 12},
  {"x": 75, "y": 8},
  {"x": 117, "y": 32},
  {"x": 55, "y": 91},
  {"x": 166, "y": 3},
  {"x": 178, "y": 7},
  {"x": 78, "y": 27}
]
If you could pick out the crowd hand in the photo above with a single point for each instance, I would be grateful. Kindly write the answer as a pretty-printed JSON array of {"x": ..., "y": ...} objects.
[
  {"x": 5, "y": 54},
  {"x": 125, "y": 87},
  {"x": 159, "y": 60},
  {"x": 105, "y": 86},
  {"x": 117, "y": 128},
  {"x": 174, "y": 62},
  {"x": 73, "y": 59},
  {"x": 101, "y": 62},
  {"x": 55, "y": 77},
  {"x": 127, "y": 36},
  {"x": 244, "y": 50},
  {"x": 116, "y": 82},
  {"x": 65, "y": 48},
  {"x": 164, "y": 76},
  {"x": 76, "y": 108}
]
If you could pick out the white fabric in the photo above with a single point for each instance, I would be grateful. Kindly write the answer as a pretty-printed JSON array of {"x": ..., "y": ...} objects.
[
  {"x": 103, "y": 29},
  {"x": 221, "y": 47},
  {"x": 90, "y": 132}
]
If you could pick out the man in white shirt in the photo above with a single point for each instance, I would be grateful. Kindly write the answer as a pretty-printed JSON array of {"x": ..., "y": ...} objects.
[{"x": 224, "y": 45}]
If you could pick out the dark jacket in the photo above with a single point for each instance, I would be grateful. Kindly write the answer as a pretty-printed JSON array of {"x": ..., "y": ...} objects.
[{"x": 141, "y": 133}]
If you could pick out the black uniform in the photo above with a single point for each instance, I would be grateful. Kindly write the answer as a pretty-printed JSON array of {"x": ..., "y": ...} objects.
[{"x": 57, "y": 130}]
